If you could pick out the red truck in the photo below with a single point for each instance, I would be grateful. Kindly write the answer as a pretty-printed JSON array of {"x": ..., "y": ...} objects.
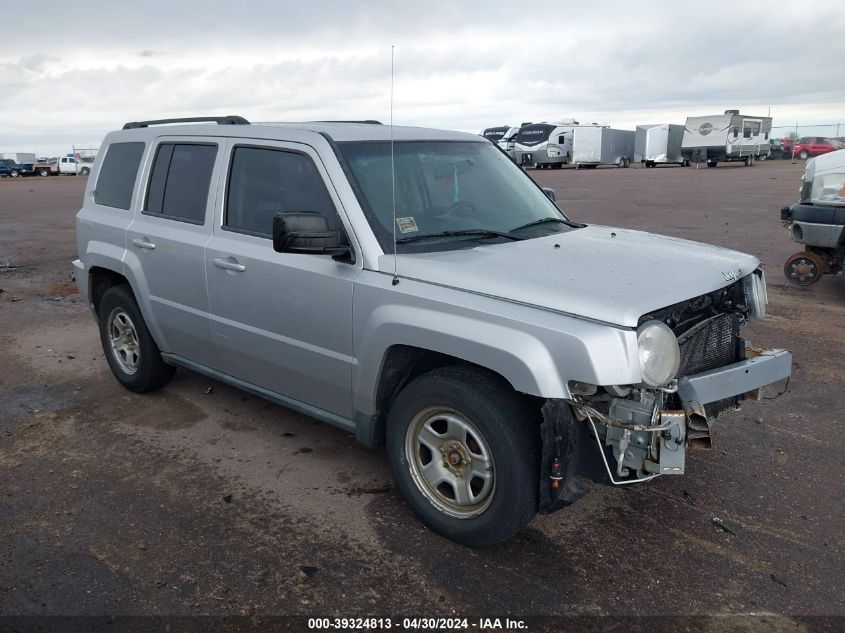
[{"x": 809, "y": 146}]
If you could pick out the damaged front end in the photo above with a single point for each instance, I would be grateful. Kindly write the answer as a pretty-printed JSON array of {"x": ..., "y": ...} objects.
[{"x": 648, "y": 427}]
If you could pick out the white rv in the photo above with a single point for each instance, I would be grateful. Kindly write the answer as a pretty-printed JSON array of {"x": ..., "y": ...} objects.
[
  {"x": 727, "y": 137},
  {"x": 594, "y": 145},
  {"x": 495, "y": 134},
  {"x": 544, "y": 145},
  {"x": 508, "y": 141},
  {"x": 659, "y": 144}
]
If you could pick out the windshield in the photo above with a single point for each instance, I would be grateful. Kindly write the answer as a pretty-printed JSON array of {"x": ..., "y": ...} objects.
[{"x": 447, "y": 187}]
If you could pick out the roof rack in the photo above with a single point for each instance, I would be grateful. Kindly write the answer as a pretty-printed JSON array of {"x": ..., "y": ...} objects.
[
  {"x": 220, "y": 120},
  {"x": 365, "y": 122}
]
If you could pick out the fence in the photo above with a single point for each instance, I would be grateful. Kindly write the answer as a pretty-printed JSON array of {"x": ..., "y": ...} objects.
[
  {"x": 814, "y": 138},
  {"x": 818, "y": 130}
]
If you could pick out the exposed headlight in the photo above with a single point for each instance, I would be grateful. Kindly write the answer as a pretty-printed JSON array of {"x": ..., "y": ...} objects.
[
  {"x": 754, "y": 287},
  {"x": 660, "y": 356},
  {"x": 828, "y": 189}
]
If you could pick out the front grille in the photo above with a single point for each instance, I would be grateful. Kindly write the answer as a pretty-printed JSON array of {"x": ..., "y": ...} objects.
[{"x": 714, "y": 343}]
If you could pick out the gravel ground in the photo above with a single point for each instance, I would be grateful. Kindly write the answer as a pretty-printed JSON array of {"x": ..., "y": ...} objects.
[{"x": 201, "y": 499}]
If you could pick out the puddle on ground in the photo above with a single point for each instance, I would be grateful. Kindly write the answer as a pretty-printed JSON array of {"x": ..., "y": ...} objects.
[{"x": 162, "y": 411}]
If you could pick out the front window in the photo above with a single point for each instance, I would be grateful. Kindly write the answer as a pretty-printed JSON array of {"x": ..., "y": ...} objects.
[{"x": 447, "y": 187}]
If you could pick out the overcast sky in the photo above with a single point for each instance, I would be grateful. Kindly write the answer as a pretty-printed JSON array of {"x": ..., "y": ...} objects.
[{"x": 70, "y": 72}]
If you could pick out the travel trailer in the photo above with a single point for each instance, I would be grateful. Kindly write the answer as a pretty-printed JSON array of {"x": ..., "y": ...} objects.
[
  {"x": 544, "y": 145},
  {"x": 727, "y": 137},
  {"x": 508, "y": 141},
  {"x": 659, "y": 144},
  {"x": 495, "y": 134},
  {"x": 594, "y": 145}
]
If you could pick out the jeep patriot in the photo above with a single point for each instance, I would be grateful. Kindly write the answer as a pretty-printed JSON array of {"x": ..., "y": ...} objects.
[{"x": 416, "y": 288}]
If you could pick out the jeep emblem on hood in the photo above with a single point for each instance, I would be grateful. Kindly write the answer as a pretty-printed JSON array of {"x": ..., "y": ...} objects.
[{"x": 731, "y": 275}]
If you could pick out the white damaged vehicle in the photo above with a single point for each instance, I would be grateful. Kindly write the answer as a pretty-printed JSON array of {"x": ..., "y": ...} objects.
[{"x": 416, "y": 288}]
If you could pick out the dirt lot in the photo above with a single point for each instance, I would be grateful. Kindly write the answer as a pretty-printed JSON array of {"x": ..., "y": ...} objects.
[{"x": 201, "y": 499}]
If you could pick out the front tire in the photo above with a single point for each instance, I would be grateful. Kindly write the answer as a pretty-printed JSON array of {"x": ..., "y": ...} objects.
[
  {"x": 803, "y": 154},
  {"x": 130, "y": 350},
  {"x": 464, "y": 450}
]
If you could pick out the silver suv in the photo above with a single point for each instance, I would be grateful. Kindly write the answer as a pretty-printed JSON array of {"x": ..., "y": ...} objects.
[{"x": 416, "y": 288}]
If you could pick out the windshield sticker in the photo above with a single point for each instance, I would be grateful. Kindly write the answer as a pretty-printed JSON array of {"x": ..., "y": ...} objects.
[{"x": 407, "y": 225}]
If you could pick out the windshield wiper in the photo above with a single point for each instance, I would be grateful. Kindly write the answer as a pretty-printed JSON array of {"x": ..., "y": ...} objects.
[
  {"x": 546, "y": 221},
  {"x": 464, "y": 232}
]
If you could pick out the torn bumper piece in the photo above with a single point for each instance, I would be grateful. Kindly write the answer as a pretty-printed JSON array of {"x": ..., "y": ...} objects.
[{"x": 746, "y": 376}]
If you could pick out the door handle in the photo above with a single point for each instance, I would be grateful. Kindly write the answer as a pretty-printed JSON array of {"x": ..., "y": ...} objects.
[
  {"x": 143, "y": 242},
  {"x": 229, "y": 263}
]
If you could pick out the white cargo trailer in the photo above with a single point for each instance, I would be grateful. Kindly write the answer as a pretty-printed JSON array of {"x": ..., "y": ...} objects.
[
  {"x": 601, "y": 145},
  {"x": 659, "y": 144},
  {"x": 727, "y": 137},
  {"x": 19, "y": 157}
]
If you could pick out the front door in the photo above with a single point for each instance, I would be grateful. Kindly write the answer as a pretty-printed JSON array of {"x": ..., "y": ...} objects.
[{"x": 280, "y": 321}]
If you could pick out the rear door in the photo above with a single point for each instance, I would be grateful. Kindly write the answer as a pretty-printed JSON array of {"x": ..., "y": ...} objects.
[
  {"x": 280, "y": 321},
  {"x": 106, "y": 211},
  {"x": 168, "y": 239}
]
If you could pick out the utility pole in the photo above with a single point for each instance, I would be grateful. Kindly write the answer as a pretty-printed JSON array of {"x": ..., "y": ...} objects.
[{"x": 794, "y": 141}]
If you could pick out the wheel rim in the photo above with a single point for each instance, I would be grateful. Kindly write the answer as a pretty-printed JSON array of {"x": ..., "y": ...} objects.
[
  {"x": 450, "y": 462},
  {"x": 803, "y": 270},
  {"x": 124, "y": 341}
]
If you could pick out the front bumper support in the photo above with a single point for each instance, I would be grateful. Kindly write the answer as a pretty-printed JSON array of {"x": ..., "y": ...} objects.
[{"x": 731, "y": 380}]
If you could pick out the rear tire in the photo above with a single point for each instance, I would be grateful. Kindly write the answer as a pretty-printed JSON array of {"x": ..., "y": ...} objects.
[
  {"x": 14, "y": 173},
  {"x": 131, "y": 352},
  {"x": 464, "y": 450},
  {"x": 803, "y": 154},
  {"x": 44, "y": 171}
]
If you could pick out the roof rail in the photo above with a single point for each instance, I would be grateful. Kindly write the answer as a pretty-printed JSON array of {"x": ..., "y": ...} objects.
[
  {"x": 220, "y": 120},
  {"x": 365, "y": 122}
]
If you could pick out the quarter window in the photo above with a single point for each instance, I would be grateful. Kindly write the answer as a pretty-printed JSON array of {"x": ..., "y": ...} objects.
[
  {"x": 264, "y": 182},
  {"x": 117, "y": 175},
  {"x": 179, "y": 181}
]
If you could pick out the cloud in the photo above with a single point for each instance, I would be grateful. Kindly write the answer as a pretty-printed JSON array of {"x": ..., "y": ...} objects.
[{"x": 459, "y": 65}]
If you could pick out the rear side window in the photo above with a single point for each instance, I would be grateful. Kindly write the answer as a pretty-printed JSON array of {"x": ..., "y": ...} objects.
[
  {"x": 179, "y": 181},
  {"x": 117, "y": 175},
  {"x": 264, "y": 182}
]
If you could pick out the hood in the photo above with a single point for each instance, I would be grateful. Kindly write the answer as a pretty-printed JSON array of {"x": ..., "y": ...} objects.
[{"x": 600, "y": 273}]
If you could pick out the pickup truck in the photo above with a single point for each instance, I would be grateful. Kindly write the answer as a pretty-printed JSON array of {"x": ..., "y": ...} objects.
[
  {"x": 68, "y": 165},
  {"x": 12, "y": 169}
]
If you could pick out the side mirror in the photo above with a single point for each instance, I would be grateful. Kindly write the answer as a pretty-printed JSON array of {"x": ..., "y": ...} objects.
[
  {"x": 550, "y": 193},
  {"x": 307, "y": 233}
]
